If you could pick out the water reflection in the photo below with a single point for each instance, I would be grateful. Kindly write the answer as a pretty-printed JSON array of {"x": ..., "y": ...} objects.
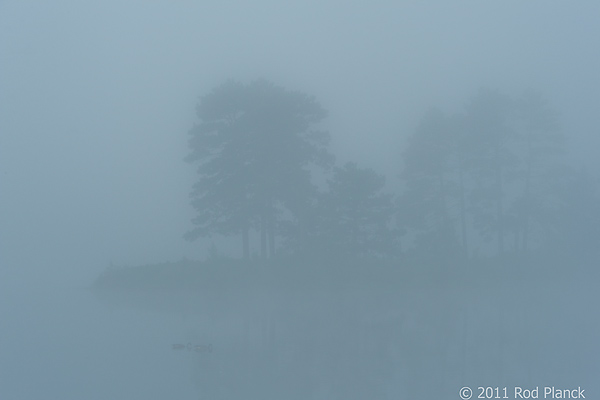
[
  {"x": 425, "y": 340},
  {"x": 62, "y": 343}
]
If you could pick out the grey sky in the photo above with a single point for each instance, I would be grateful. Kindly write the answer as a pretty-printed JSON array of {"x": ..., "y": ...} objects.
[{"x": 96, "y": 99}]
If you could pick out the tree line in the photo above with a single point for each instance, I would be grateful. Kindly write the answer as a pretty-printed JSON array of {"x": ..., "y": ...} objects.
[{"x": 489, "y": 179}]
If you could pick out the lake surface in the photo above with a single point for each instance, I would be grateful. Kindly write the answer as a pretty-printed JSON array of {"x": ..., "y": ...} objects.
[
  {"x": 61, "y": 343},
  {"x": 425, "y": 341}
]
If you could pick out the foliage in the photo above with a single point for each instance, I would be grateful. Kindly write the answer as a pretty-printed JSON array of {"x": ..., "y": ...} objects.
[
  {"x": 481, "y": 175},
  {"x": 355, "y": 214},
  {"x": 254, "y": 147},
  {"x": 573, "y": 225},
  {"x": 485, "y": 173},
  {"x": 433, "y": 200}
]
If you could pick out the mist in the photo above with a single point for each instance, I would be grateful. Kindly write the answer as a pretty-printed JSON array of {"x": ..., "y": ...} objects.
[{"x": 422, "y": 247}]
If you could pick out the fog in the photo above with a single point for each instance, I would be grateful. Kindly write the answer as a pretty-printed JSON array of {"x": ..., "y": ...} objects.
[{"x": 99, "y": 105}]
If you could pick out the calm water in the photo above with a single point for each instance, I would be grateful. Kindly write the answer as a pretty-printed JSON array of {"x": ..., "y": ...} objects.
[{"x": 63, "y": 343}]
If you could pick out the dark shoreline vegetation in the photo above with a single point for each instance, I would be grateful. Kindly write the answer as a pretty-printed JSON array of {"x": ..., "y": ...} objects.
[{"x": 245, "y": 279}]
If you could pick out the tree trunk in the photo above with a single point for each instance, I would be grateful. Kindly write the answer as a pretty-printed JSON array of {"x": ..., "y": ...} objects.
[
  {"x": 263, "y": 237},
  {"x": 463, "y": 216},
  {"x": 443, "y": 220},
  {"x": 271, "y": 232},
  {"x": 245, "y": 242},
  {"x": 499, "y": 206},
  {"x": 527, "y": 196}
]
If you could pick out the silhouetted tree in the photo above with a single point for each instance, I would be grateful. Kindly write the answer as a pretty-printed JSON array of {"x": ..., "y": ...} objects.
[
  {"x": 355, "y": 214},
  {"x": 541, "y": 147},
  {"x": 490, "y": 167},
  {"x": 434, "y": 201},
  {"x": 514, "y": 147},
  {"x": 491, "y": 160},
  {"x": 254, "y": 146},
  {"x": 573, "y": 220}
]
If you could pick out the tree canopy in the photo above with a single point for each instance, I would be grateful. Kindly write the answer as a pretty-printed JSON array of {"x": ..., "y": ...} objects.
[
  {"x": 486, "y": 173},
  {"x": 356, "y": 214},
  {"x": 254, "y": 146},
  {"x": 484, "y": 178}
]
